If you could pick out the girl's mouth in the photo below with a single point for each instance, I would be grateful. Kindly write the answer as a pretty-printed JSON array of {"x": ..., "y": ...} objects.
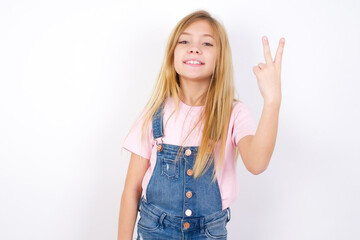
[{"x": 194, "y": 63}]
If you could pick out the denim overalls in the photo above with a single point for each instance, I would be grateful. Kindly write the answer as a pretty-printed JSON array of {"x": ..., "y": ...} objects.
[{"x": 177, "y": 206}]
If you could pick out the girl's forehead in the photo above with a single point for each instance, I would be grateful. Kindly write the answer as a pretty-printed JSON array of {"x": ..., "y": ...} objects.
[{"x": 202, "y": 27}]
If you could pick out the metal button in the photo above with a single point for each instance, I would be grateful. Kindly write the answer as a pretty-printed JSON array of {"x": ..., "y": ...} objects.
[
  {"x": 160, "y": 147},
  {"x": 186, "y": 225},
  {"x": 188, "y": 212},
  {"x": 189, "y": 172},
  {"x": 189, "y": 194},
  {"x": 188, "y": 152}
]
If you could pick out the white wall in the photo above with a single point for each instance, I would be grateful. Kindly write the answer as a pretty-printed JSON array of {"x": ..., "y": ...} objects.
[{"x": 74, "y": 75}]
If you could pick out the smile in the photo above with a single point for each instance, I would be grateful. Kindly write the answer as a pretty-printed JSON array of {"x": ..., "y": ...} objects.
[{"x": 194, "y": 62}]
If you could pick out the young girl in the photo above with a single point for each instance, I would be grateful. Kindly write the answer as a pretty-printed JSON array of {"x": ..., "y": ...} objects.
[{"x": 185, "y": 143}]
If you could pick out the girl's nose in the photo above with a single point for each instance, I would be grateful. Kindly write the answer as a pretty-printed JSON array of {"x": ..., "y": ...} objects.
[{"x": 194, "y": 49}]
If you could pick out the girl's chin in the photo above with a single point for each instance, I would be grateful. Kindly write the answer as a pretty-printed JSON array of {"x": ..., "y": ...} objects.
[{"x": 195, "y": 78}]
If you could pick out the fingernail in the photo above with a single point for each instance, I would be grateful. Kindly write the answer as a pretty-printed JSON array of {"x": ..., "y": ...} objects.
[{"x": 265, "y": 38}]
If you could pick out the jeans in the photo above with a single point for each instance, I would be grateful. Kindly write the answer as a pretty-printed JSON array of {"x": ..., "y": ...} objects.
[
  {"x": 175, "y": 205},
  {"x": 155, "y": 223}
]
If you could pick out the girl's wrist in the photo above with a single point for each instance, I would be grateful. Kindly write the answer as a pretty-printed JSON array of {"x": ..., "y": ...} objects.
[{"x": 274, "y": 103}]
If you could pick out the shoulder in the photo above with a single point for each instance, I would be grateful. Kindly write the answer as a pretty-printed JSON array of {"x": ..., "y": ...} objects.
[
  {"x": 237, "y": 102},
  {"x": 239, "y": 106},
  {"x": 241, "y": 113},
  {"x": 242, "y": 122},
  {"x": 169, "y": 103}
]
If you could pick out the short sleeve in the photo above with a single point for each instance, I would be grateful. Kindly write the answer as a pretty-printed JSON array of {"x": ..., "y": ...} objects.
[
  {"x": 244, "y": 122},
  {"x": 133, "y": 141}
]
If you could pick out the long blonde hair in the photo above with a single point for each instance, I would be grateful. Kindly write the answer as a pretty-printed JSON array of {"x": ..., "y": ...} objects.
[{"x": 219, "y": 97}]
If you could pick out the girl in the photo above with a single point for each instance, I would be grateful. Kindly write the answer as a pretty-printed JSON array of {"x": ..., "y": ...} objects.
[{"x": 185, "y": 143}]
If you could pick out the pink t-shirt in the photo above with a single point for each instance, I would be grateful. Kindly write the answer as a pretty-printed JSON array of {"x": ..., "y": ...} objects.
[{"x": 176, "y": 129}]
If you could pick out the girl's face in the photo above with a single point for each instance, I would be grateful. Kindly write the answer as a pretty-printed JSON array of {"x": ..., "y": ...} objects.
[{"x": 196, "y": 52}]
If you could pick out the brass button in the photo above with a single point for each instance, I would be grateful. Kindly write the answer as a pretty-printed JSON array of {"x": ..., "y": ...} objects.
[
  {"x": 160, "y": 147},
  {"x": 188, "y": 212},
  {"x": 188, "y": 152},
  {"x": 189, "y": 194},
  {"x": 186, "y": 225},
  {"x": 189, "y": 172}
]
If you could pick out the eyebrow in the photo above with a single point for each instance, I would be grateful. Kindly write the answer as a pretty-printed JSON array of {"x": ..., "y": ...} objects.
[{"x": 206, "y": 34}]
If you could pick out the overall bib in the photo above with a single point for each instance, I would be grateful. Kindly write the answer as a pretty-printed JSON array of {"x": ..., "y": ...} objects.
[{"x": 177, "y": 206}]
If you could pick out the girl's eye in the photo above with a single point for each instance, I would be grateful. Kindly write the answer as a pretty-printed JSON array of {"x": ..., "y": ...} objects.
[
  {"x": 208, "y": 44},
  {"x": 183, "y": 42}
]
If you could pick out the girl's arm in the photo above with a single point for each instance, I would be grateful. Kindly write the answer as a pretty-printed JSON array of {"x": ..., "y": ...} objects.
[
  {"x": 131, "y": 196},
  {"x": 256, "y": 150}
]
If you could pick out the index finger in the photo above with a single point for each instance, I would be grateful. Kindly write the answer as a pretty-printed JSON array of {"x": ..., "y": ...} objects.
[
  {"x": 279, "y": 52},
  {"x": 267, "y": 53}
]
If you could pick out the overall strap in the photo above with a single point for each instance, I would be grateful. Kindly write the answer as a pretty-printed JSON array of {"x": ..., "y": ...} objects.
[{"x": 157, "y": 122}]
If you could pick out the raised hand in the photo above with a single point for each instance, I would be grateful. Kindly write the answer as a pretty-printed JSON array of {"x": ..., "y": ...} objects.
[{"x": 268, "y": 75}]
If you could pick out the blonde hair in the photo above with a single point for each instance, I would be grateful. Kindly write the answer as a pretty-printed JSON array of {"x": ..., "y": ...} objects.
[{"x": 219, "y": 97}]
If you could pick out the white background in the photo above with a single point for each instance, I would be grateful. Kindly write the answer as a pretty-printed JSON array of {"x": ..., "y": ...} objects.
[{"x": 75, "y": 74}]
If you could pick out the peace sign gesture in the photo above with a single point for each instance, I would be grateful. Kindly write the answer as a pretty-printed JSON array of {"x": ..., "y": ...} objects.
[{"x": 269, "y": 75}]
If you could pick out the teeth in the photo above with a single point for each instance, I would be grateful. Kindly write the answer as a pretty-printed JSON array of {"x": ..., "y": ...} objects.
[{"x": 193, "y": 62}]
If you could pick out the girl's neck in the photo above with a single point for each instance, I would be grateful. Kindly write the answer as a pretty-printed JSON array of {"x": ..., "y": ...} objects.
[{"x": 193, "y": 93}]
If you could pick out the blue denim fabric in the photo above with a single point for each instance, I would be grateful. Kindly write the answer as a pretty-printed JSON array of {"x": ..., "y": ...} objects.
[{"x": 177, "y": 206}]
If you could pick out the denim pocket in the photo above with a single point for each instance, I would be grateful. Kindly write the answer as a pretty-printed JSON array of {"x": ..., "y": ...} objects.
[
  {"x": 148, "y": 222},
  {"x": 170, "y": 168},
  {"x": 216, "y": 230}
]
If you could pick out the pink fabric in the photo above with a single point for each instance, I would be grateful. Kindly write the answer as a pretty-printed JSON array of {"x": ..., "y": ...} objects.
[{"x": 176, "y": 129}]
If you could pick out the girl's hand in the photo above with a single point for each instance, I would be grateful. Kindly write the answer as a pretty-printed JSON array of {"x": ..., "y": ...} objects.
[{"x": 268, "y": 75}]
